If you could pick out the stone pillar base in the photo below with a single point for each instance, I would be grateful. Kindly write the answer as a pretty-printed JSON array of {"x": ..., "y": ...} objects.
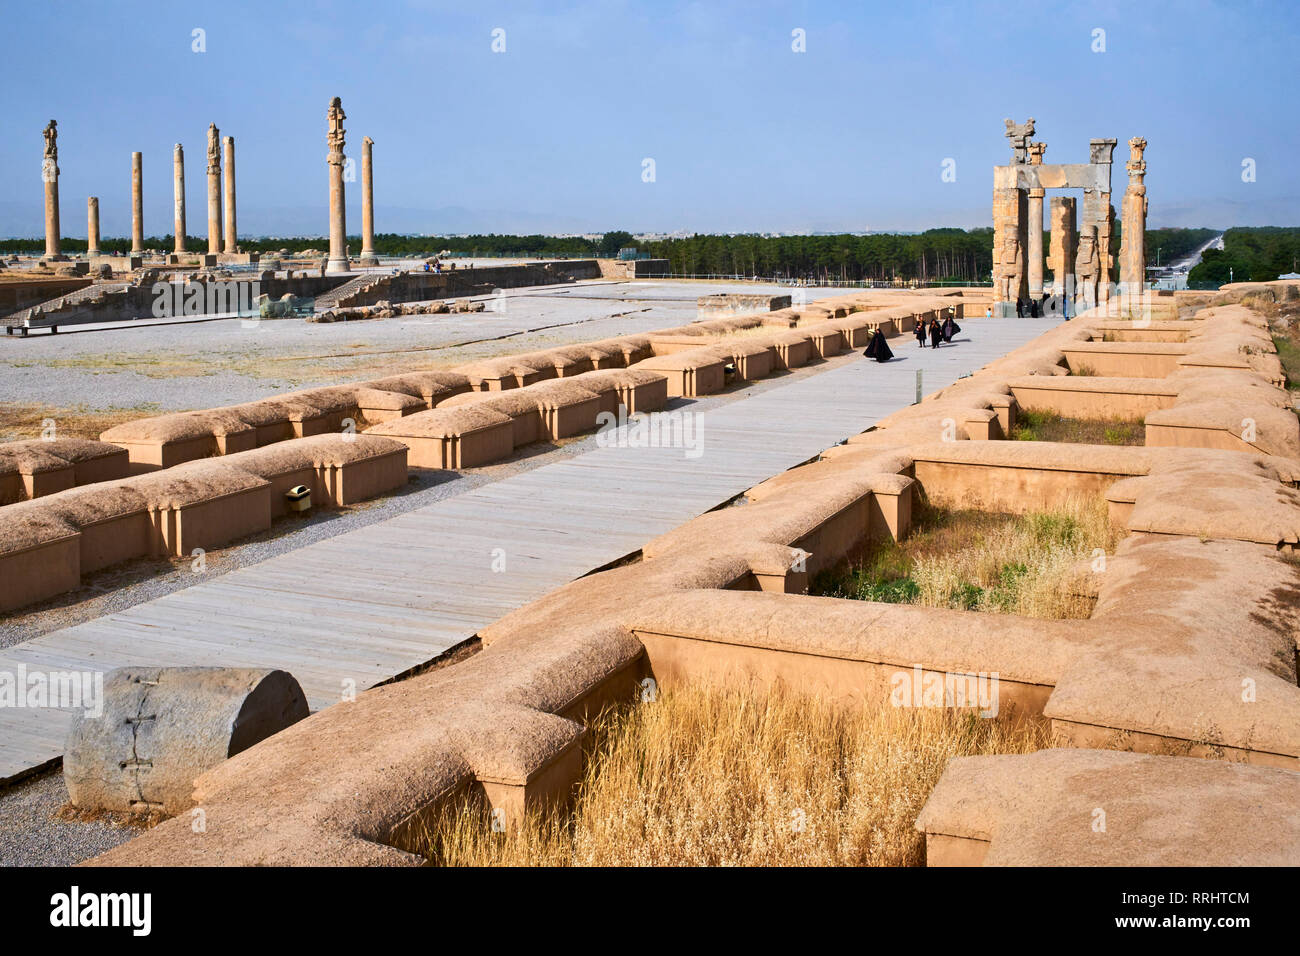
[
  {"x": 369, "y": 260},
  {"x": 237, "y": 258},
  {"x": 337, "y": 266},
  {"x": 58, "y": 258}
]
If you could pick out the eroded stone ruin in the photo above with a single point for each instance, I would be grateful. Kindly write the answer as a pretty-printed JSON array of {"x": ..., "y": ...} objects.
[{"x": 1180, "y": 688}]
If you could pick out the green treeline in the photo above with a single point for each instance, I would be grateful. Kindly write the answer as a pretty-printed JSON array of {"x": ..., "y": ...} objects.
[
  {"x": 953, "y": 255},
  {"x": 1251, "y": 255}
]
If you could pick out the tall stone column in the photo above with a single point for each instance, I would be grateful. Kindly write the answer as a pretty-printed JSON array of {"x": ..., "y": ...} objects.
[
  {"x": 338, "y": 258},
  {"x": 178, "y": 190},
  {"x": 50, "y": 175},
  {"x": 214, "y": 190},
  {"x": 1011, "y": 220},
  {"x": 1132, "y": 261},
  {"x": 368, "y": 257},
  {"x": 137, "y": 203},
  {"x": 92, "y": 226},
  {"x": 1105, "y": 230},
  {"x": 1100, "y": 212},
  {"x": 232, "y": 234},
  {"x": 1064, "y": 243},
  {"x": 1035, "y": 264},
  {"x": 1010, "y": 229}
]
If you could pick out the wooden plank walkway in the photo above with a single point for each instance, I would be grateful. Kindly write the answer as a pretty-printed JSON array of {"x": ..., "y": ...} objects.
[{"x": 363, "y": 606}]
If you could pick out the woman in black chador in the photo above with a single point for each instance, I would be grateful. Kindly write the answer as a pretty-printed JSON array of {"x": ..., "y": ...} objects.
[
  {"x": 935, "y": 333},
  {"x": 920, "y": 333},
  {"x": 950, "y": 328},
  {"x": 878, "y": 348}
]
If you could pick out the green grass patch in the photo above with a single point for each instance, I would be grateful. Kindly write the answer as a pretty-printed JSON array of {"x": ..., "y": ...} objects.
[
  {"x": 1048, "y": 426},
  {"x": 1288, "y": 350},
  {"x": 1027, "y": 564}
]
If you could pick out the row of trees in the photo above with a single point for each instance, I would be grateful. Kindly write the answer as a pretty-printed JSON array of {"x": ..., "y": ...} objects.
[
  {"x": 953, "y": 255},
  {"x": 934, "y": 255},
  {"x": 937, "y": 254},
  {"x": 1254, "y": 255}
]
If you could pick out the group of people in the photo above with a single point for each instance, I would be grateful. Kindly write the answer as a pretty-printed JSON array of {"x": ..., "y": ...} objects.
[
  {"x": 931, "y": 329},
  {"x": 1029, "y": 308},
  {"x": 937, "y": 331},
  {"x": 1038, "y": 308}
]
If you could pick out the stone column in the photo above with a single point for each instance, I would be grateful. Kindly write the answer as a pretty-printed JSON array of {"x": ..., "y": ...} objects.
[
  {"x": 178, "y": 189},
  {"x": 1010, "y": 228},
  {"x": 1101, "y": 213},
  {"x": 1105, "y": 229},
  {"x": 232, "y": 236},
  {"x": 1061, "y": 261},
  {"x": 50, "y": 175},
  {"x": 338, "y": 258},
  {"x": 1132, "y": 260},
  {"x": 1034, "y": 247},
  {"x": 214, "y": 190},
  {"x": 92, "y": 226},
  {"x": 368, "y": 257},
  {"x": 137, "y": 203},
  {"x": 1035, "y": 264}
]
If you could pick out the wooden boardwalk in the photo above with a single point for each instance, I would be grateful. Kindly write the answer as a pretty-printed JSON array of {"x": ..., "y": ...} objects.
[{"x": 358, "y": 608}]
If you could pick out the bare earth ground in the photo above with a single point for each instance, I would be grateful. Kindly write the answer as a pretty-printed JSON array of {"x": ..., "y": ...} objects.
[{"x": 87, "y": 379}]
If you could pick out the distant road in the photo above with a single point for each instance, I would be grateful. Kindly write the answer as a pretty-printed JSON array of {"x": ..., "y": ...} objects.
[{"x": 1185, "y": 265}]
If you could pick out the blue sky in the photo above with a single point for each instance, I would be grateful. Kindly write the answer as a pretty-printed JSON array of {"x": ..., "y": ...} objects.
[{"x": 550, "y": 135}]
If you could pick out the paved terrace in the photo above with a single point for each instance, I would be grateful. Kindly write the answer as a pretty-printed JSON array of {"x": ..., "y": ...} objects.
[
  {"x": 203, "y": 361},
  {"x": 366, "y": 605}
]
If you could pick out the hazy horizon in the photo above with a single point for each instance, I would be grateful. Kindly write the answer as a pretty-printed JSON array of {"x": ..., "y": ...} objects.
[{"x": 550, "y": 135}]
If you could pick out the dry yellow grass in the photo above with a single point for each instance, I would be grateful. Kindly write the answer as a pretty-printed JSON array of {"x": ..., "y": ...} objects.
[
  {"x": 751, "y": 332},
  {"x": 706, "y": 777},
  {"x": 148, "y": 364},
  {"x": 1031, "y": 564},
  {"x": 25, "y": 420}
]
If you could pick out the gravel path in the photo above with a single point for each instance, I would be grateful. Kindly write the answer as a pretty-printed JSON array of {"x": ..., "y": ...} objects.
[{"x": 30, "y": 834}]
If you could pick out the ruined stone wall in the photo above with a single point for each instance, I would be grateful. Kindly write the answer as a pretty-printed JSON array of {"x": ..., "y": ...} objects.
[
  {"x": 23, "y": 294},
  {"x": 420, "y": 286}
]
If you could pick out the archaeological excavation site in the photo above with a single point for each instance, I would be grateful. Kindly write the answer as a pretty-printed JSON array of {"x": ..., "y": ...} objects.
[{"x": 482, "y": 539}]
